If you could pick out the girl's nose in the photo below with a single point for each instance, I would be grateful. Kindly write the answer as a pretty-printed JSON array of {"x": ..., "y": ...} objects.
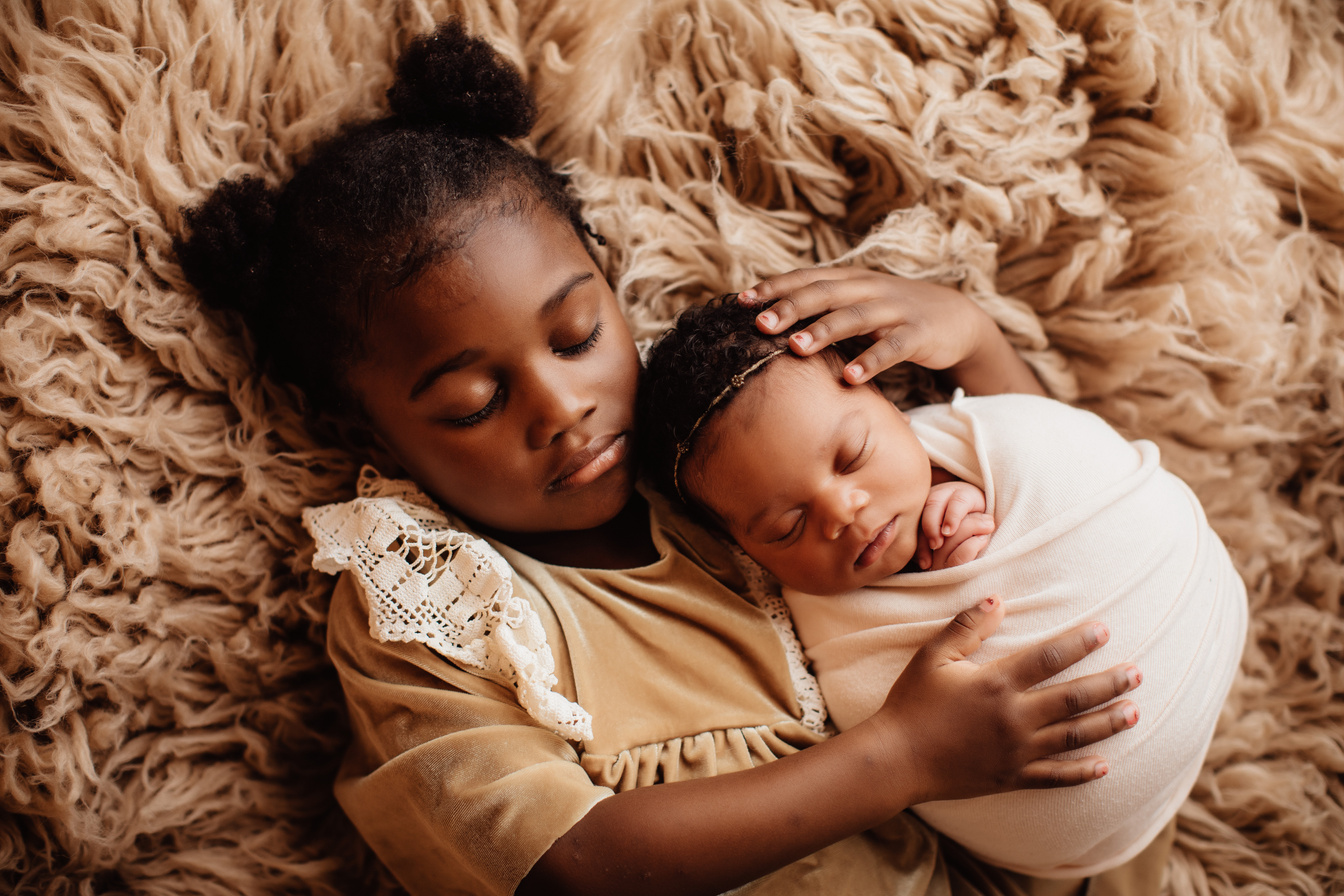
[
  {"x": 845, "y": 502},
  {"x": 559, "y": 400}
]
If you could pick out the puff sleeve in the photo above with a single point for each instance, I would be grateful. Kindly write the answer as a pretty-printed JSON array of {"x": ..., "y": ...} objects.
[{"x": 448, "y": 778}]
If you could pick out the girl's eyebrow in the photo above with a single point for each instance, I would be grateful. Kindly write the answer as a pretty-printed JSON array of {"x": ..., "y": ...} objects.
[
  {"x": 456, "y": 362},
  {"x": 465, "y": 357},
  {"x": 552, "y": 304}
]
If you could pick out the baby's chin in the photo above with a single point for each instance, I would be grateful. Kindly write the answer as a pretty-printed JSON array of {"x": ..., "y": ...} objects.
[{"x": 857, "y": 578}]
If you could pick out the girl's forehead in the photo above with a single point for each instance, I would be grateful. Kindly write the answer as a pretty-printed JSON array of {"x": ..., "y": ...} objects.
[{"x": 510, "y": 267}]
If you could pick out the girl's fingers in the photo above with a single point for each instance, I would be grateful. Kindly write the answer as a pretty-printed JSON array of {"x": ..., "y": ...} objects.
[
  {"x": 780, "y": 285},
  {"x": 1070, "y": 698},
  {"x": 963, "y": 635},
  {"x": 889, "y": 349},
  {"x": 1033, "y": 665},
  {"x": 1085, "y": 730},
  {"x": 1063, "y": 772},
  {"x": 843, "y": 306}
]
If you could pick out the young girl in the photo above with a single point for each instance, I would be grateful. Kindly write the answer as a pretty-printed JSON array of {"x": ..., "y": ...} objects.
[
  {"x": 519, "y": 671},
  {"x": 866, "y": 516}
]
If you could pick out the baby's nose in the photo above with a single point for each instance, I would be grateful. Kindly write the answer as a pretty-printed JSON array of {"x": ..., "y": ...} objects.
[{"x": 847, "y": 504}]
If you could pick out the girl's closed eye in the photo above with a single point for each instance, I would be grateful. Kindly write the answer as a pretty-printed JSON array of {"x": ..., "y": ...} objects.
[
  {"x": 583, "y": 345},
  {"x": 476, "y": 417}
]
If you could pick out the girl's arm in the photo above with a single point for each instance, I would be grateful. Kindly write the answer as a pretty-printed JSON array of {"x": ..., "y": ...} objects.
[
  {"x": 949, "y": 729},
  {"x": 907, "y": 320}
]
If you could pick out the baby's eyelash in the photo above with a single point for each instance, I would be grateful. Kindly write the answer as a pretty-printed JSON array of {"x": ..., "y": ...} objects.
[
  {"x": 857, "y": 460},
  {"x": 581, "y": 347},
  {"x": 484, "y": 413},
  {"x": 795, "y": 529}
]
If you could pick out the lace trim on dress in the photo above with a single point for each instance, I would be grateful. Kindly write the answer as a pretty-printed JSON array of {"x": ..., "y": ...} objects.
[
  {"x": 764, "y": 593},
  {"x": 431, "y": 583}
]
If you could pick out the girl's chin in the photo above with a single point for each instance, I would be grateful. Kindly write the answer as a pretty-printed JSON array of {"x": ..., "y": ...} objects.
[{"x": 589, "y": 508}]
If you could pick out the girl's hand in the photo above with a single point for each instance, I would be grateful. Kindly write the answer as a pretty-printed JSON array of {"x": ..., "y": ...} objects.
[
  {"x": 962, "y": 730},
  {"x": 907, "y": 320},
  {"x": 954, "y": 526}
]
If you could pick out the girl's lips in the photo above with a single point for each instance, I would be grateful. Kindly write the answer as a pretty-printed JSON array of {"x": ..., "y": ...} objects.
[
  {"x": 877, "y": 546},
  {"x": 590, "y": 463}
]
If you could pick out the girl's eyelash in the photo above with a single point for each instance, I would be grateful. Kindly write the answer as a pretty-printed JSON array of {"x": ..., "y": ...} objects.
[
  {"x": 581, "y": 347},
  {"x": 484, "y": 413}
]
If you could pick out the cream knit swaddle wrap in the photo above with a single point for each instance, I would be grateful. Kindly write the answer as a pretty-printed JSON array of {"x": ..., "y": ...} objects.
[{"x": 1089, "y": 526}]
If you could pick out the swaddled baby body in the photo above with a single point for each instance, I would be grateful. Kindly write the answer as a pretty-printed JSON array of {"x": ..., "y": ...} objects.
[{"x": 837, "y": 493}]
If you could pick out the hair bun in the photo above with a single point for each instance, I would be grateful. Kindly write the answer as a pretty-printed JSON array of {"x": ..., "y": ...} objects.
[
  {"x": 227, "y": 252},
  {"x": 463, "y": 82}
]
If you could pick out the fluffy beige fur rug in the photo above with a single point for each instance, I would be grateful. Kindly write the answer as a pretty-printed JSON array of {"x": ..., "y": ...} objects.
[{"x": 1148, "y": 197}]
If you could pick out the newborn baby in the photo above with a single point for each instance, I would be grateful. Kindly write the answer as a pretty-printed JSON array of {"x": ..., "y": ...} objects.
[{"x": 882, "y": 527}]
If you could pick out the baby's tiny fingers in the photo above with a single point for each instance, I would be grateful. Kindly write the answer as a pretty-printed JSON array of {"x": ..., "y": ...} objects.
[
  {"x": 967, "y": 551},
  {"x": 978, "y": 523},
  {"x": 929, "y": 523},
  {"x": 957, "y": 508}
]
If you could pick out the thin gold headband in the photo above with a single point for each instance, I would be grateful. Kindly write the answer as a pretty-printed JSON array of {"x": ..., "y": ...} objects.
[{"x": 735, "y": 383}]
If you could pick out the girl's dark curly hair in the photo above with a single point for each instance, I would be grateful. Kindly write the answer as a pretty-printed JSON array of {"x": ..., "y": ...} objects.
[
  {"x": 305, "y": 264},
  {"x": 687, "y": 368}
]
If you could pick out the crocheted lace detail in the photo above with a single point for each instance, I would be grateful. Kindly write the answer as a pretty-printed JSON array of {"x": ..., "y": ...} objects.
[
  {"x": 763, "y": 591},
  {"x": 431, "y": 583}
]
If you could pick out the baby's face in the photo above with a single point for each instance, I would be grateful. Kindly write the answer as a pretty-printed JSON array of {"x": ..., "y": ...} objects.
[{"x": 820, "y": 482}]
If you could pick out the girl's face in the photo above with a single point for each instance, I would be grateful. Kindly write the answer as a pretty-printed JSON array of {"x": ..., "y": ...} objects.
[
  {"x": 503, "y": 379},
  {"x": 821, "y": 482}
]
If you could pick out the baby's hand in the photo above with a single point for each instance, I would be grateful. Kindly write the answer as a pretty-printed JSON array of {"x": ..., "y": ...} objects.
[{"x": 954, "y": 526}]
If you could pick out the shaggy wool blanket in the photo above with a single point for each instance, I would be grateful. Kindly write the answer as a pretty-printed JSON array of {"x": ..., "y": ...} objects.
[{"x": 1147, "y": 196}]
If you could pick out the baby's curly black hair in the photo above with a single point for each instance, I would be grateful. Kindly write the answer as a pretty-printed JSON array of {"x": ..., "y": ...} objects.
[
  {"x": 306, "y": 263},
  {"x": 685, "y": 371}
]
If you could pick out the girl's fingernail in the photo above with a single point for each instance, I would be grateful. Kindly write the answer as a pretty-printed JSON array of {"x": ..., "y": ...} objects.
[
  {"x": 767, "y": 318},
  {"x": 1134, "y": 675},
  {"x": 989, "y": 603},
  {"x": 855, "y": 372},
  {"x": 748, "y": 294},
  {"x": 1100, "y": 632},
  {"x": 1132, "y": 714},
  {"x": 802, "y": 340},
  {"x": 947, "y": 529},
  {"x": 1100, "y": 769}
]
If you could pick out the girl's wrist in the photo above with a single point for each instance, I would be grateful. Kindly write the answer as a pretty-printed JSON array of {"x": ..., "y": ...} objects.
[
  {"x": 993, "y": 366},
  {"x": 890, "y": 773}
]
